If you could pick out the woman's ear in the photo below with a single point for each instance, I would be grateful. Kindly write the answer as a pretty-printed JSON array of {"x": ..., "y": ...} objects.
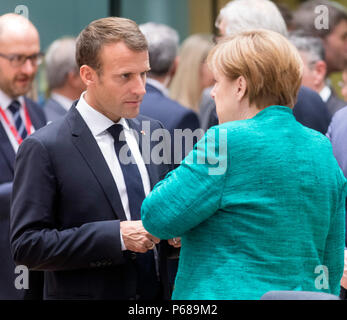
[{"x": 241, "y": 88}]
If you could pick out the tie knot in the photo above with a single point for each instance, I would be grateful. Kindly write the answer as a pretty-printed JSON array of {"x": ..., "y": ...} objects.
[
  {"x": 14, "y": 106},
  {"x": 115, "y": 131}
]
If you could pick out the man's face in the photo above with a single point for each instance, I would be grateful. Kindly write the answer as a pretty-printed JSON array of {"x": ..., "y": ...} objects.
[
  {"x": 344, "y": 84},
  {"x": 118, "y": 90},
  {"x": 16, "y": 81},
  {"x": 314, "y": 73},
  {"x": 335, "y": 45}
]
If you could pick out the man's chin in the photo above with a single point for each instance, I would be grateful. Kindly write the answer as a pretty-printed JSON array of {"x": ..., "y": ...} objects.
[{"x": 17, "y": 92}]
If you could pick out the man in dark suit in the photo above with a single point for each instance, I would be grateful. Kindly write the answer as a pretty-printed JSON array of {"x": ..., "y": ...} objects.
[
  {"x": 63, "y": 78},
  {"x": 162, "y": 46},
  {"x": 80, "y": 181},
  {"x": 19, "y": 116},
  {"x": 242, "y": 15}
]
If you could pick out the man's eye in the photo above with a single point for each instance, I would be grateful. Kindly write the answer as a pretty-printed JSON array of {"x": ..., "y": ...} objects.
[
  {"x": 17, "y": 58},
  {"x": 125, "y": 76}
]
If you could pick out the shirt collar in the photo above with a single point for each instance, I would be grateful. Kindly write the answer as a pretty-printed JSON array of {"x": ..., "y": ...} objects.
[
  {"x": 156, "y": 84},
  {"x": 325, "y": 93},
  {"x": 96, "y": 121},
  {"x": 62, "y": 100},
  {"x": 5, "y": 100}
]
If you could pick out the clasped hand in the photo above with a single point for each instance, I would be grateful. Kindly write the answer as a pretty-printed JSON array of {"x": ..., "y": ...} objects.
[{"x": 137, "y": 239}]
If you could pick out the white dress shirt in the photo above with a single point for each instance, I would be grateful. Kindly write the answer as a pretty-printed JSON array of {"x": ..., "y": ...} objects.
[
  {"x": 325, "y": 93},
  {"x": 5, "y": 102},
  {"x": 98, "y": 125}
]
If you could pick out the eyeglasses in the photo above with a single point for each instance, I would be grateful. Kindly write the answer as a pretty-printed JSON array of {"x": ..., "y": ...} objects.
[{"x": 17, "y": 60}]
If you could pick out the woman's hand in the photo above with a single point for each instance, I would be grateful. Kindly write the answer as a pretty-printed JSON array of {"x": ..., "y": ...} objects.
[{"x": 175, "y": 242}]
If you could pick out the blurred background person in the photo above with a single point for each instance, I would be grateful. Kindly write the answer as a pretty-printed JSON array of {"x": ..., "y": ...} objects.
[
  {"x": 334, "y": 35},
  {"x": 315, "y": 69},
  {"x": 192, "y": 75},
  {"x": 20, "y": 58},
  {"x": 241, "y": 15},
  {"x": 63, "y": 78},
  {"x": 344, "y": 83},
  {"x": 240, "y": 226},
  {"x": 162, "y": 46}
]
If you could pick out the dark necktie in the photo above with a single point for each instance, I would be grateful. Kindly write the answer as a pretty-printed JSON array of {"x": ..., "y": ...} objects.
[
  {"x": 147, "y": 268},
  {"x": 17, "y": 119},
  {"x": 131, "y": 173}
]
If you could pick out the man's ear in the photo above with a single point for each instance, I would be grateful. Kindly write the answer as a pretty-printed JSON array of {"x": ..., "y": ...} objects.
[
  {"x": 320, "y": 72},
  {"x": 174, "y": 66},
  {"x": 88, "y": 75},
  {"x": 241, "y": 84}
]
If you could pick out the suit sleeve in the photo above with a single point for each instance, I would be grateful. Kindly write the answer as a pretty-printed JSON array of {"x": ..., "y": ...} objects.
[
  {"x": 35, "y": 240},
  {"x": 5, "y": 198},
  {"x": 191, "y": 193}
]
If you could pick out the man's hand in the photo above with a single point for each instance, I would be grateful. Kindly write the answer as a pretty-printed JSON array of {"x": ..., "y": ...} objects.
[
  {"x": 136, "y": 238},
  {"x": 175, "y": 242}
]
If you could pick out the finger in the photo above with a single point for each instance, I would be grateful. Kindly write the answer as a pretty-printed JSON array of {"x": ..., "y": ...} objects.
[
  {"x": 149, "y": 245},
  {"x": 153, "y": 238}
]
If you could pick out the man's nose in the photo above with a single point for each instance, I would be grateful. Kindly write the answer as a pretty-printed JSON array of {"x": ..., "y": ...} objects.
[
  {"x": 139, "y": 85},
  {"x": 28, "y": 67}
]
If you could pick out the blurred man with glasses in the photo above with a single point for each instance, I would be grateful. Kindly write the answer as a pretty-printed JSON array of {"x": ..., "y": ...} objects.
[{"x": 20, "y": 57}]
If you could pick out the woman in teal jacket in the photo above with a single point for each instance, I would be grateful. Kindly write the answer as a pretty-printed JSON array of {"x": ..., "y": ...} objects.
[{"x": 259, "y": 202}]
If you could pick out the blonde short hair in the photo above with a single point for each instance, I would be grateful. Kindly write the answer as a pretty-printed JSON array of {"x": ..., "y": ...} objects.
[{"x": 271, "y": 65}]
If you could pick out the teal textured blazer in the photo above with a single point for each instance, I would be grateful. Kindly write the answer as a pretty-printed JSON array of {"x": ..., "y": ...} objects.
[{"x": 260, "y": 205}]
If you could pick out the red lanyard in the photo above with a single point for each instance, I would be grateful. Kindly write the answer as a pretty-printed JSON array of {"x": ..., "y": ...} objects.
[{"x": 11, "y": 126}]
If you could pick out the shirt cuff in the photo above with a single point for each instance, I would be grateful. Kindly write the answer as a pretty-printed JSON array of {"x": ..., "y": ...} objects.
[{"x": 122, "y": 242}]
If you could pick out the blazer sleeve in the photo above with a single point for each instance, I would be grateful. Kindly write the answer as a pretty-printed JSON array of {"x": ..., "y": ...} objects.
[
  {"x": 191, "y": 193},
  {"x": 35, "y": 240}
]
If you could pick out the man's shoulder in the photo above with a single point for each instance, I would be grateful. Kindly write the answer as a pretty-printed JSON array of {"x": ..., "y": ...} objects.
[
  {"x": 51, "y": 132},
  {"x": 50, "y": 103}
]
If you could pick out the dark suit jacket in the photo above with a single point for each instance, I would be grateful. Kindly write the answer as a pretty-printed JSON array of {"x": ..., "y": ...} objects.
[
  {"x": 53, "y": 110},
  {"x": 66, "y": 213},
  {"x": 7, "y": 159},
  {"x": 309, "y": 110},
  {"x": 171, "y": 114}
]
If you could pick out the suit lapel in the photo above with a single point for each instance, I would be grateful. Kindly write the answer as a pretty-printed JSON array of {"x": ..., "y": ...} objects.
[
  {"x": 88, "y": 147},
  {"x": 6, "y": 148}
]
